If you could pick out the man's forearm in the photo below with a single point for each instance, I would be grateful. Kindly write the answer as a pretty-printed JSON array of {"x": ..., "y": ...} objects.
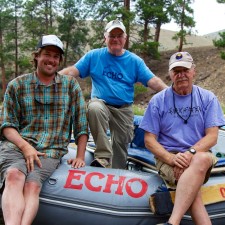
[
  {"x": 71, "y": 70},
  {"x": 12, "y": 135},
  {"x": 81, "y": 145},
  {"x": 208, "y": 141},
  {"x": 157, "y": 149},
  {"x": 156, "y": 84}
]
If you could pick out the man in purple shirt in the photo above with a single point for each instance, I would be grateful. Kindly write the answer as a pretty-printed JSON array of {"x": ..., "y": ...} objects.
[{"x": 181, "y": 124}]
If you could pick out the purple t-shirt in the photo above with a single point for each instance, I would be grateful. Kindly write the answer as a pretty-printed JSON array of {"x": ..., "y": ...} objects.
[{"x": 201, "y": 109}]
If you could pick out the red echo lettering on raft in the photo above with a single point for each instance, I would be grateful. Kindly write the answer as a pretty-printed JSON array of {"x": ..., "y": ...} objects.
[
  {"x": 222, "y": 191},
  {"x": 104, "y": 183}
]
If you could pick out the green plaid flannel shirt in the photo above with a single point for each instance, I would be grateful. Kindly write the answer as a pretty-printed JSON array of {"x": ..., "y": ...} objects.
[{"x": 44, "y": 115}]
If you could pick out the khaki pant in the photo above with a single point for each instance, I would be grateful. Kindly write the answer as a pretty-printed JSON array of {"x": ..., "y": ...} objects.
[{"x": 120, "y": 122}]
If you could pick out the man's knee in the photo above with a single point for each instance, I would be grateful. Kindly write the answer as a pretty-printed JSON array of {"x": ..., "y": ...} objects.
[
  {"x": 14, "y": 177},
  {"x": 32, "y": 188},
  {"x": 95, "y": 107},
  {"x": 203, "y": 159}
]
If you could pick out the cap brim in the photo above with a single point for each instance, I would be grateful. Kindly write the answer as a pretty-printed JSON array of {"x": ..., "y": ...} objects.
[
  {"x": 43, "y": 46},
  {"x": 182, "y": 64},
  {"x": 114, "y": 27}
]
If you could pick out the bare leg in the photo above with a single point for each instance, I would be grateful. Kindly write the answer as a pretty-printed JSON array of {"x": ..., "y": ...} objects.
[
  {"x": 31, "y": 196},
  {"x": 13, "y": 191},
  {"x": 198, "y": 212},
  {"x": 189, "y": 185}
]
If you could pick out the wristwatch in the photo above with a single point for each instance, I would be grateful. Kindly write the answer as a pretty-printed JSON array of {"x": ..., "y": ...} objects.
[{"x": 192, "y": 150}]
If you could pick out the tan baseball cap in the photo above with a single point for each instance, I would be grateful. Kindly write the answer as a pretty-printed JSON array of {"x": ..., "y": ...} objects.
[
  {"x": 183, "y": 59},
  {"x": 115, "y": 24}
]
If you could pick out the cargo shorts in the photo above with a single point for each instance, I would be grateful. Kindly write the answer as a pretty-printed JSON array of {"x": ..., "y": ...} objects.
[
  {"x": 167, "y": 174},
  {"x": 12, "y": 157}
]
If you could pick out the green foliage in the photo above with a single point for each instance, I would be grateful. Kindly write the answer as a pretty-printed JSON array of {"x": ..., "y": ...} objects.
[
  {"x": 25, "y": 64},
  {"x": 100, "y": 10},
  {"x": 220, "y": 43},
  {"x": 153, "y": 11},
  {"x": 223, "y": 108},
  {"x": 181, "y": 35},
  {"x": 182, "y": 14},
  {"x": 9, "y": 73},
  {"x": 147, "y": 48},
  {"x": 97, "y": 40},
  {"x": 222, "y": 55},
  {"x": 39, "y": 16},
  {"x": 138, "y": 110},
  {"x": 139, "y": 89},
  {"x": 104, "y": 11},
  {"x": 72, "y": 26}
]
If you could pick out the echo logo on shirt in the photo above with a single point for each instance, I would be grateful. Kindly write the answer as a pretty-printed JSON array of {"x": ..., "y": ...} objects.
[{"x": 112, "y": 74}]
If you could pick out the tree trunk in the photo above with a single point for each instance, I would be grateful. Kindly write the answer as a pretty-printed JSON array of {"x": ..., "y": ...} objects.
[
  {"x": 46, "y": 17},
  {"x": 66, "y": 53},
  {"x": 145, "y": 38},
  {"x": 2, "y": 66},
  {"x": 127, "y": 7},
  {"x": 182, "y": 28},
  {"x": 16, "y": 43},
  {"x": 157, "y": 32}
]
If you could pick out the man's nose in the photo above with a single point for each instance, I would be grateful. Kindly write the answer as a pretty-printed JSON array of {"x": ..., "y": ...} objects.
[{"x": 181, "y": 73}]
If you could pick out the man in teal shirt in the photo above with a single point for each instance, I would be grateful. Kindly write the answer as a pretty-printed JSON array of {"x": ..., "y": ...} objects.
[{"x": 114, "y": 71}]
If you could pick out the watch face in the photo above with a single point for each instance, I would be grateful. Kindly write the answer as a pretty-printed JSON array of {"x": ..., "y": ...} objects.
[{"x": 193, "y": 151}]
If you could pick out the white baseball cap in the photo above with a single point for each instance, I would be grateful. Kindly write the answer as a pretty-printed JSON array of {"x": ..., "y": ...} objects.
[
  {"x": 183, "y": 59},
  {"x": 51, "y": 39},
  {"x": 115, "y": 24}
]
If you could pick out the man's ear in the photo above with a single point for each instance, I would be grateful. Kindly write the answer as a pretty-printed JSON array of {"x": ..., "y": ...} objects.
[
  {"x": 36, "y": 55},
  {"x": 194, "y": 73}
]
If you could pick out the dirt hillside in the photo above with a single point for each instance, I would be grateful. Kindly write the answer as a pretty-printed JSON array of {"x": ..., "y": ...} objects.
[{"x": 209, "y": 66}]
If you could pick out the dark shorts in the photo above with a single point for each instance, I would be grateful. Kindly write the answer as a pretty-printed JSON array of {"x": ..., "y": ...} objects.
[
  {"x": 12, "y": 157},
  {"x": 166, "y": 171}
]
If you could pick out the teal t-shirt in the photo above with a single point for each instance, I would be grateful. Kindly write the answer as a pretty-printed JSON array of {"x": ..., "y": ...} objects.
[{"x": 113, "y": 77}]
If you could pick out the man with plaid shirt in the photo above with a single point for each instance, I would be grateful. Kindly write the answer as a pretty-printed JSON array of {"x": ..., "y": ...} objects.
[{"x": 40, "y": 110}]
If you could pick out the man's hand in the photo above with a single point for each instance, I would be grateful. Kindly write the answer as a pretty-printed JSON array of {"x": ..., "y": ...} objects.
[
  {"x": 31, "y": 156},
  {"x": 76, "y": 163},
  {"x": 178, "y": 172},
  {"x": 29, "y": 152},
  {"x": 181, "y": 160}
]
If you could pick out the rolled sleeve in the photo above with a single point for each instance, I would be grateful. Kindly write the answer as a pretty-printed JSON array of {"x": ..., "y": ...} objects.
[
  {"x": 9, "y": 111},
  {"x": 80, "y": 119}
]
